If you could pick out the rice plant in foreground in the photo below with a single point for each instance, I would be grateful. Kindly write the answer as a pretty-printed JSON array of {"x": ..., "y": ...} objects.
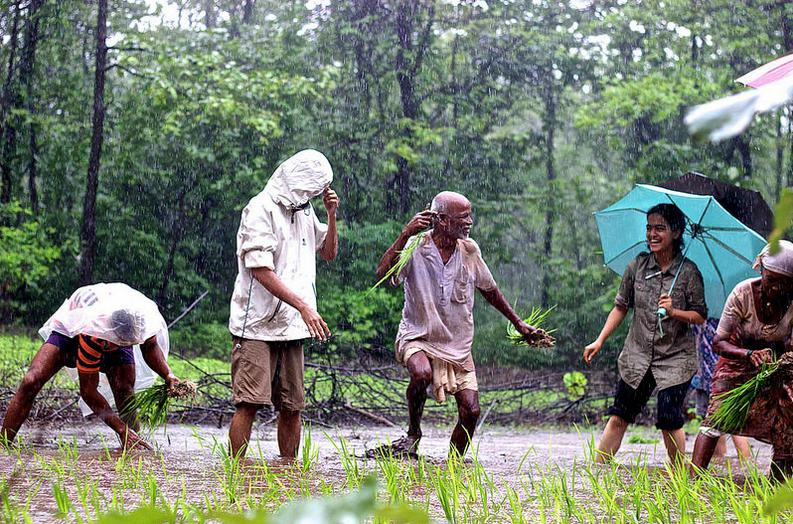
[
  {"x": 152, "y": 404},
  {"x": 542, "y": 338},
  {"x": 736, "y": 403},
  {"x": 404, "y": 257}
]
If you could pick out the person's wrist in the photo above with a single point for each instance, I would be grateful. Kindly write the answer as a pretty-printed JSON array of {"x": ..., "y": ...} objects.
[{"x": 749, "y": 354}]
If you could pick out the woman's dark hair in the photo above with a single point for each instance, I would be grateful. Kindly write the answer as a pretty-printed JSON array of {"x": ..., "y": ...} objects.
[{"x": 676, "y": 220}]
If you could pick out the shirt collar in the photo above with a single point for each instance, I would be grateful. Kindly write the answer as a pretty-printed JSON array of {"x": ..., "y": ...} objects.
[{"x": 653, "y": 264}]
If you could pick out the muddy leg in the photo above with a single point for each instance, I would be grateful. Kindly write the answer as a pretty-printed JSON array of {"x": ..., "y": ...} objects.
[
  {"x": 45, "y": 364},
  {"x": 611, "y": 440},
  {"x": 468, "y": 413},
  {"x": 288, "y": 433},
  {"x": 420, "y": 377},
  {"x": 704, "y": 447},
  {"x": 122, "y": 383},
  {"x": 240, "y": 428},
  {"x": 781, "y": 468}
]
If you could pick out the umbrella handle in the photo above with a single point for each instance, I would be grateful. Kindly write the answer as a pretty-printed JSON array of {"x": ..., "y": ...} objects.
[{"x": 661, "y": 314}]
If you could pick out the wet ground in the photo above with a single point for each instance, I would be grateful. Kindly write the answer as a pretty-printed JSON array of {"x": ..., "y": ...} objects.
[{"x": 189, "y": 465}]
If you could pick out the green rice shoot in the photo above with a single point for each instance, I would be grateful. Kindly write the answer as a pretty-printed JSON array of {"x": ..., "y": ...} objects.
[
  {"x": 731, "y": 415},
  {"x": 153, "y": 403},
  {"x": 536, "y": 319},
  {"x": 402, "y": 261}
]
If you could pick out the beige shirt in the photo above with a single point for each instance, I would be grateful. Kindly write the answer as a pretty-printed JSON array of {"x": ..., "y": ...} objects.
[
  {"x": 672, "y": 358},
  {"x": 739, "y": 318},
  {"x": 439, "y": 300},
  {"x": 280, "y": 231}
]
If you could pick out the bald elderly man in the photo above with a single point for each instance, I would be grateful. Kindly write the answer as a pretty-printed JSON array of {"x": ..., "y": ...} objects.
[{"x": 437, "y": 328}]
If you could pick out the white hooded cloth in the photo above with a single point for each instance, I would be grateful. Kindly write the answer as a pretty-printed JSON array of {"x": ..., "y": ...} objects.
[
  {"x": 280, "y": 231},
  {"x": 94, "y": 310}
]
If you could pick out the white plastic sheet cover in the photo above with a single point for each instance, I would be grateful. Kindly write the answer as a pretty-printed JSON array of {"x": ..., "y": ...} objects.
[{"x": 117, "y": 313}]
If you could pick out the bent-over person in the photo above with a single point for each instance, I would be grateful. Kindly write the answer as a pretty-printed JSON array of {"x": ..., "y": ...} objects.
[
  {"x": 94, "y": 331},
  {"x": 437, "y": 328}
]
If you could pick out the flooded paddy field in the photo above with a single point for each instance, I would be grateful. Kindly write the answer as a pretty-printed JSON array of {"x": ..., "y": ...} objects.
[{"x": 77, "y": 473}]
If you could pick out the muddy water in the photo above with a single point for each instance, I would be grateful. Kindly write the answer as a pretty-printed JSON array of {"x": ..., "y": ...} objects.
[{"x": 84, "y": 461}]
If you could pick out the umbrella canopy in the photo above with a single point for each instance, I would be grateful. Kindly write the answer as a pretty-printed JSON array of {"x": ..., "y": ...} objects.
[
  {"x": 770, "y": 72},
  {"x": 719, "y": 244},
  {"x": 746, "y": 205}
]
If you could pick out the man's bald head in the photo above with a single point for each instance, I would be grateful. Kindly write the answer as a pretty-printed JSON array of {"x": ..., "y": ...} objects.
[{"x": 449, "y": 202}]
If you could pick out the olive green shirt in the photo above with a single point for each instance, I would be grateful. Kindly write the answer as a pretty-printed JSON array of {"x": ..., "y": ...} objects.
[{"x": 672, "y": 358}]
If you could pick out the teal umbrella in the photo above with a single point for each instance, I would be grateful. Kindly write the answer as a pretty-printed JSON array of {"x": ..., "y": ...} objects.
[{"x": 719, "y": 244}]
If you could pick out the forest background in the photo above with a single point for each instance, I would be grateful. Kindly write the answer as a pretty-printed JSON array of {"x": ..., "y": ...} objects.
[{"x": 132, "y": 134}]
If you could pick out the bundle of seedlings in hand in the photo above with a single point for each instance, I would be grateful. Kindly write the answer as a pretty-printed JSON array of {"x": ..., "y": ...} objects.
[
  {"x": 152, "y": 404},
  {"x": 736, "y": 403},
  {"x": 541, "y": 338},
  {"x": 402, "y": 261}
]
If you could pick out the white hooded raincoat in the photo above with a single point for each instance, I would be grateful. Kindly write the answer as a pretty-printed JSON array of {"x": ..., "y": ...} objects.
[{"x": 280, "y": 231}]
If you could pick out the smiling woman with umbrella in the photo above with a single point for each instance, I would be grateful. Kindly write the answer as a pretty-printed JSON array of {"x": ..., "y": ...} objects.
[
  {"x": 659, "y": 346},
  {"x": 652, "y": 357}
]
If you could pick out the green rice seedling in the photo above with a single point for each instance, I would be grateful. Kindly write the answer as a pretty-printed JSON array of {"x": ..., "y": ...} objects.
[
  {"x": 735, "y": 404},
  {"x": 390, "y": 469},
  {"x": 536, "y": 318},
  {"x": 447, "y": 489},
  {"x": 232, "y": 477},
  {"x": 404, "y": 257},
  {"x": 515, "y": 505},
  {"x": 152, "y": 404},
  {"x": 67, "y": 450},
  {"x": 309, "y": 452},
  {"x": 349, "y": 462},
  {"x": 62, "y": 500}
]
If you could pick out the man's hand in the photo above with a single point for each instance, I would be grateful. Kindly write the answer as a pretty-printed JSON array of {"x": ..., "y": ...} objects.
[
  {"x": 171, "y": 380},
  {"x": 665, "y": 301},
  {"x": 419, "y": 222},
  {"x": 761, "y": 356},
  {"x": 331, "y": 201},
  {"x": 591, "y": 350},
  {"x": 317, "y": 327},
  {"x": 132, "y": 441},
  {"x": 530, "y": 333}
]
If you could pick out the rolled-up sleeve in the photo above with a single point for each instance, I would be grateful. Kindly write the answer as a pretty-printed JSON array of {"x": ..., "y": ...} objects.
[
  {"x": 695, "y": 293},
  {"x": 625, "y": 296},
  {"x": 256, "y": 240},
  {"x": 732, "y": 315}
]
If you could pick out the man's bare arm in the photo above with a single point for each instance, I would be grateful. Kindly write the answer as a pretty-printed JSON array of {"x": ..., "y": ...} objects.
[
  {"x": 496, "y": 298},
  {"x": 330, "y": 246},
  {"x": 419, "y": 222}
]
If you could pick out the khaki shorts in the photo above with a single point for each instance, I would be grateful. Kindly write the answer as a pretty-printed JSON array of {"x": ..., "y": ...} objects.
[{"x": 268, "y": 373}]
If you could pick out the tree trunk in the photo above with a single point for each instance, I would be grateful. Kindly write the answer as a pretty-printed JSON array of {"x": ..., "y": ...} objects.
[
  {"x": 406, "y": 70},
  {"x": 89, "y": 204},
  {"x": 7, "y": 99},
  {"x": 209, "y": 14},
  {"x": 176, "y": 238},
  {"x": 27, "y": 68},
  {"x": 247, "y": 11},
  {"x": 550, "y": 175}
]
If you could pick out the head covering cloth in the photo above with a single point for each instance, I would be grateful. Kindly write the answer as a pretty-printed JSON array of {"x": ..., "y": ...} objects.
[
  {"x": 301, "y": 177},
  {"x": 780, "y": 263}
]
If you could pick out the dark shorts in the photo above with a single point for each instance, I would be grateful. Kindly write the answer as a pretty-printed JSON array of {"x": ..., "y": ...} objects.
[
  {"x": 268, "y": 373},
  {"x": 628, "y": 402},
  {"x": 123, "y": 355}
]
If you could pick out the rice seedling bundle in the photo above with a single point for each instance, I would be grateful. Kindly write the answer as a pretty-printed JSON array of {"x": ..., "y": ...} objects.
[
  {"x": 402, "y": 261},
  {"x": 542, "y": 338},
  {"x": 735, "y": 404},
  {"x": 153, "y": 403}
]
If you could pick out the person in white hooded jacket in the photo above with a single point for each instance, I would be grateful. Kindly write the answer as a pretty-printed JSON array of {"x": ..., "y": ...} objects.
[{"x": 274, "y": 304}]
